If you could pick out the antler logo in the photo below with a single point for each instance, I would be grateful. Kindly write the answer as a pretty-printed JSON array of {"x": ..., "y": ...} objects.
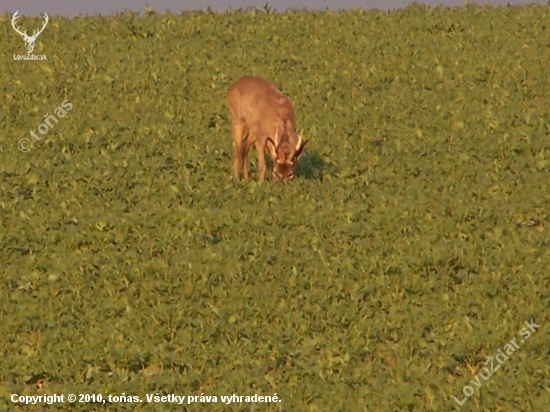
[{"x": 29, "y": 40}]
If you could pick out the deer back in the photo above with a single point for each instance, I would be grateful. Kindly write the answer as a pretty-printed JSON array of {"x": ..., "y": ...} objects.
[{"x": 262, "y": 106}]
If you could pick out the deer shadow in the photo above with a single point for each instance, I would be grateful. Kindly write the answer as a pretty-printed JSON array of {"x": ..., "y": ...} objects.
[{"x": 310, "y": 166}]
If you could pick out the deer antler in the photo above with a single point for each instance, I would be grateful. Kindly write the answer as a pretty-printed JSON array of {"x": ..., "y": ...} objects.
[
  {"x": 46, "y": 19},
  {"x": 300, "y": 138},
  {"x": 276, "y": 140},
  {"x": 35, "y": 33},
  {"x": 15, "y": 16}
]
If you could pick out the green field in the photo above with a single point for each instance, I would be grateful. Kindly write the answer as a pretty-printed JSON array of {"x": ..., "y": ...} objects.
[{"x": 412, "y": 247}]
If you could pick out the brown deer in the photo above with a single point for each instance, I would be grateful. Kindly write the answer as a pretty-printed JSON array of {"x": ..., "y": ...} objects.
[{"x": 257, "y": 106}]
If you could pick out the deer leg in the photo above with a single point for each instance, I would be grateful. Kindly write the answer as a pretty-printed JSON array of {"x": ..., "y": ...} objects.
[
  {"x": 250, "y": 140},
  {"x": 237, "y": 130},
  {"x": 260, "y": 153}
]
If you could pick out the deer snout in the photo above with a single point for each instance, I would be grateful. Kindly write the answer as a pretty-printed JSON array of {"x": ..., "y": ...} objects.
[{"x": 279, "y": 177}]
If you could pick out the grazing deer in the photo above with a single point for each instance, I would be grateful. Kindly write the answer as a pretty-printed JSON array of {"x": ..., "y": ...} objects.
[{"x": 257, "y": 105}]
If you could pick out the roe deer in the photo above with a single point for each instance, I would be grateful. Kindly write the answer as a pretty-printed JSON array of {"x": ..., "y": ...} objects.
[{"x": 257, "y": 105}]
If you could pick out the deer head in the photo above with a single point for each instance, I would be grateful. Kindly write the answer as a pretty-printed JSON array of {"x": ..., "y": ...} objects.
[
  {"x": 29, "y": 40},
  {"x": 285, "y": 155}
]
